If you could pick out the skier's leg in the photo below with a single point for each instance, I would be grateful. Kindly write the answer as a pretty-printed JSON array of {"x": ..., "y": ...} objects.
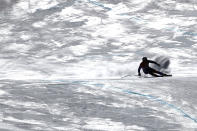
[
  {"x": 151, "y": 73},
  {"x": 158, "y": 72}
]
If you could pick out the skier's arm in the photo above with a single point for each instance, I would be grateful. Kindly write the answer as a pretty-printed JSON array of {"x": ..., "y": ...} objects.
[
  {"x": 154, "y": 62},
  {"x": 139, "y": 70}
]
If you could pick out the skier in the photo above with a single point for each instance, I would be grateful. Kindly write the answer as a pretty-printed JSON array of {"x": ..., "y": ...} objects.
[{"x": 144, "y": 65}]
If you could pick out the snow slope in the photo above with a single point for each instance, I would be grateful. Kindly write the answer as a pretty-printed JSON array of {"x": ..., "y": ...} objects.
[
  {"x": 56, "y": 39},
  {"x": 62, "y": 62}
]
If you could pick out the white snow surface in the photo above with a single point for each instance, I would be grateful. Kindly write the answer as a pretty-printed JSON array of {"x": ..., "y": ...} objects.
[{"x": 62, "y": 63}]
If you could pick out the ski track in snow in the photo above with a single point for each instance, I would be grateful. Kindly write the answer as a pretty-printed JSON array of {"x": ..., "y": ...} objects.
[{"x": 162, "y": 102}]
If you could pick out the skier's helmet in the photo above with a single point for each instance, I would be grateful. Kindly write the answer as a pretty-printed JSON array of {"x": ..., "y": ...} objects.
[{"x": 144, "y": 59}]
